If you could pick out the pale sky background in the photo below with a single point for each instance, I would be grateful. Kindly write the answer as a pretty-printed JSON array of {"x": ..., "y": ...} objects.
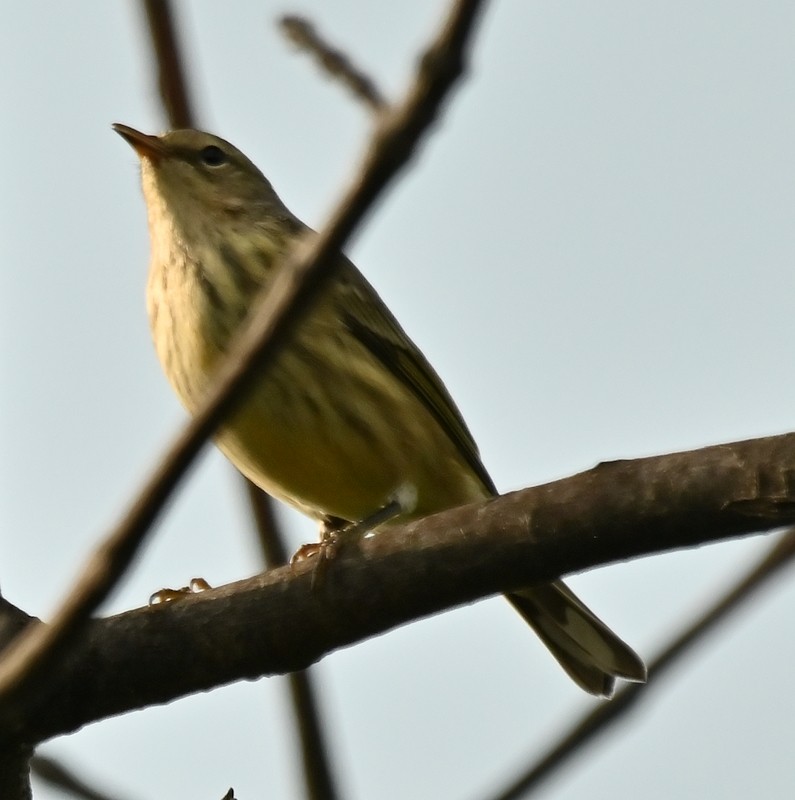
[{"x": 595, "y": 250}]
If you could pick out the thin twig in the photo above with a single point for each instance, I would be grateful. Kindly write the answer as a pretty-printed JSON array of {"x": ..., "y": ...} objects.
[
  {"x": 61, "y": 777},
  {"x": 306, "y": 271},
  {"x": 335, "y": 62},
  {"x": 780, "y": 555},
  {"x": 274, "y": 550},
  {"x": 318, "y": 775},
  {"x": 319, "y": 779},
  {"x": 168, "y": 57}
]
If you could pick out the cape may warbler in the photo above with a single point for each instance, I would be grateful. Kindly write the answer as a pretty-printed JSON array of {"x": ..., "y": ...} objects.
[{"x": 350, "y": 415}]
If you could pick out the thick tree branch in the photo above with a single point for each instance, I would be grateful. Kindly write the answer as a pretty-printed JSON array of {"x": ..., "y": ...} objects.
[
  {"x": 15, "y": 773},
  {"x": 275, "y": 623}
]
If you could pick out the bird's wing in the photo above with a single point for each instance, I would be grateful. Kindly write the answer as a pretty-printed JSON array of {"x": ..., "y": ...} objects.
[{"x": 369, "y": 320}]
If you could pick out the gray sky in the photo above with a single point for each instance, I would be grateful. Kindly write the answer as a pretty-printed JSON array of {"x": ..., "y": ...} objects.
[{"x": 595, "y": 250}]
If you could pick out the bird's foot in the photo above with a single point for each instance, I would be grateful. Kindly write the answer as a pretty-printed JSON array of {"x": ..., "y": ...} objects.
[
  {"x": 336, "y": 533},
  {"x": 196, "y": 586}
]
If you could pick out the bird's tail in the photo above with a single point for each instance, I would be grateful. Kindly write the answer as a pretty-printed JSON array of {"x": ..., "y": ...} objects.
[{"x": 585, "y": 647}]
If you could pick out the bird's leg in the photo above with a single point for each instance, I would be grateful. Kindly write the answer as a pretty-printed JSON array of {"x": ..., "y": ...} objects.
[
  {"x": 353, "y": 530},
  {"x": 335, "y": 532},
  {"x": 328, "y": 529}
]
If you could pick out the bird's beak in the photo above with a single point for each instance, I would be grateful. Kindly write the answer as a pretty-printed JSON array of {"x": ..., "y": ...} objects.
[{"x": 146, "y": 146}]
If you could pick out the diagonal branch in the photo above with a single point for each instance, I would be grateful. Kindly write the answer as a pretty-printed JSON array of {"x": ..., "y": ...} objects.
[
  {"x": 275, "y": 623},
  {"x": 306, "y": 271},
  {"x": 605, "y": 714},
  {"x": 62, "y": 778},
  {"x": 302, "y": 33}
]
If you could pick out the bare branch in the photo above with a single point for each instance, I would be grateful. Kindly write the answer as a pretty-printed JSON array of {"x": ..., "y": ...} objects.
[
  {"x": 168, "y": 57},
  {"x": 274, "y": 623},
  {"x": 61, "y": 777},
  {"x": 317, "y": 772},
  {"x": 271, "y": 542},
  {"x": 337, "y": 64},
  {"x": 606, "y": 713},
  {"x": 306, "y": 270}
]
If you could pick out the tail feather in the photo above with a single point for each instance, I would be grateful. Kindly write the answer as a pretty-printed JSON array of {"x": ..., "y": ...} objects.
[{"x": 592, "y": 655}]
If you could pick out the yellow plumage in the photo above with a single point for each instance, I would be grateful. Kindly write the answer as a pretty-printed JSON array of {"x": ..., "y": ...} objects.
[{"x": 350, "y": 416}]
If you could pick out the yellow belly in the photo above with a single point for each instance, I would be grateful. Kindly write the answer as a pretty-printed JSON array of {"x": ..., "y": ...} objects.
[
  {"x": 328, "y": 429},
  {"x": 348, "y": 449}
]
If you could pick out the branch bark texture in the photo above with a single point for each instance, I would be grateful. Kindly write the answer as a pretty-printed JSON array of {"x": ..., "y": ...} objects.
[{"x": 275, "y": 622}]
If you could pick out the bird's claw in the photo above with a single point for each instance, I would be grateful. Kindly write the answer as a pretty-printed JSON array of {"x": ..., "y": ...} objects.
[{"x": 196, "y": 586}]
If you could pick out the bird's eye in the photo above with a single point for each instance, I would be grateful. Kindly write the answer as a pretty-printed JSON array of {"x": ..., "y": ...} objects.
[{"x": 213, "y": 156}]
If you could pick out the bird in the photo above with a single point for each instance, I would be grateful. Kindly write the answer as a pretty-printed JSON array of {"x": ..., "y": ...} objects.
[{"x": 350, "y": 418}]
